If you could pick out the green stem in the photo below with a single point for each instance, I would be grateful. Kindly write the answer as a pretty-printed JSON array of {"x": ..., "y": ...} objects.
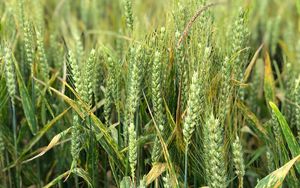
[
  {"x": 9, "y": 171},
  {"x": 76, "y": 181},
  {"x": 185, "y": 165},
  {"x": 17, "y": 184}
]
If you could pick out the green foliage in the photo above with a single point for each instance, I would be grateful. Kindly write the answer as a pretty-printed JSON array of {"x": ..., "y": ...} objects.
[{"x": 128, "y": 93}]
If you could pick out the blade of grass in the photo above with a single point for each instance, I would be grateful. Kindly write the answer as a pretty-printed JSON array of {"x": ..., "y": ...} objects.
[
  {"x": 288, "y": 135},
  {"x": 38, "y": 136},
  {"x": 26, "y": 102}
]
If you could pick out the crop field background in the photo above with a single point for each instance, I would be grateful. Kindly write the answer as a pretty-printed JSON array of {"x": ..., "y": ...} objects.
[{"x": 150, "y": 93}]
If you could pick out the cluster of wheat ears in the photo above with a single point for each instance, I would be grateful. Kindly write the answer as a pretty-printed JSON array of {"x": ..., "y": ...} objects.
[{"x": 145, "y": 93}]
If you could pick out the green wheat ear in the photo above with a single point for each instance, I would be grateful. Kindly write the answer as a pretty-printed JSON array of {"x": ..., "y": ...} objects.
[
  {"x": 133, "y": 85},
  {"x": 11, "y": 83},
  {"x": 157, "y": 102},
  {"x": 193, "y": 109},
  {"x": 88, "y": 76},
  {"x": 28, "y": 42},
  {"x": 131, "y": 106},
  {"x": 240, "y": 35},
  {"x": 128, "y": 14},
  {"x": 2, "y": 146},
  {"x": 238, "y": 160},
  {"x": 75, "y": 142},
  {"x": 182, "y": 71},
  {"x": 132, "y": 150},
  {"x": 225, "y": 89},
  {"x": 214, "y": 160},
  {"x": 111, "y": 90},
  {"x": 43, "y": 62},
  {"x": 297, "y": 109},
  {"x": 75, "y": 71},
  {"x": 270, "y": 160}
]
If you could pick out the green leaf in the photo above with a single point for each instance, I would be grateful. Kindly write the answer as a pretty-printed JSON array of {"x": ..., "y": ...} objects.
[
  {"x": 288, "y": 135},
  {"x": 38, "y": 136},
  {"x": 107, "y": 142},
  {"x": 256, "y": 126},
  {"x": 26, "y": 102},
  {"x": 276, "y": 178}
]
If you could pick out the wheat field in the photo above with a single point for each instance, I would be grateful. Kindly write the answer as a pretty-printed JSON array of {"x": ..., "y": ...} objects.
[{"x": 150, "y": 93}]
